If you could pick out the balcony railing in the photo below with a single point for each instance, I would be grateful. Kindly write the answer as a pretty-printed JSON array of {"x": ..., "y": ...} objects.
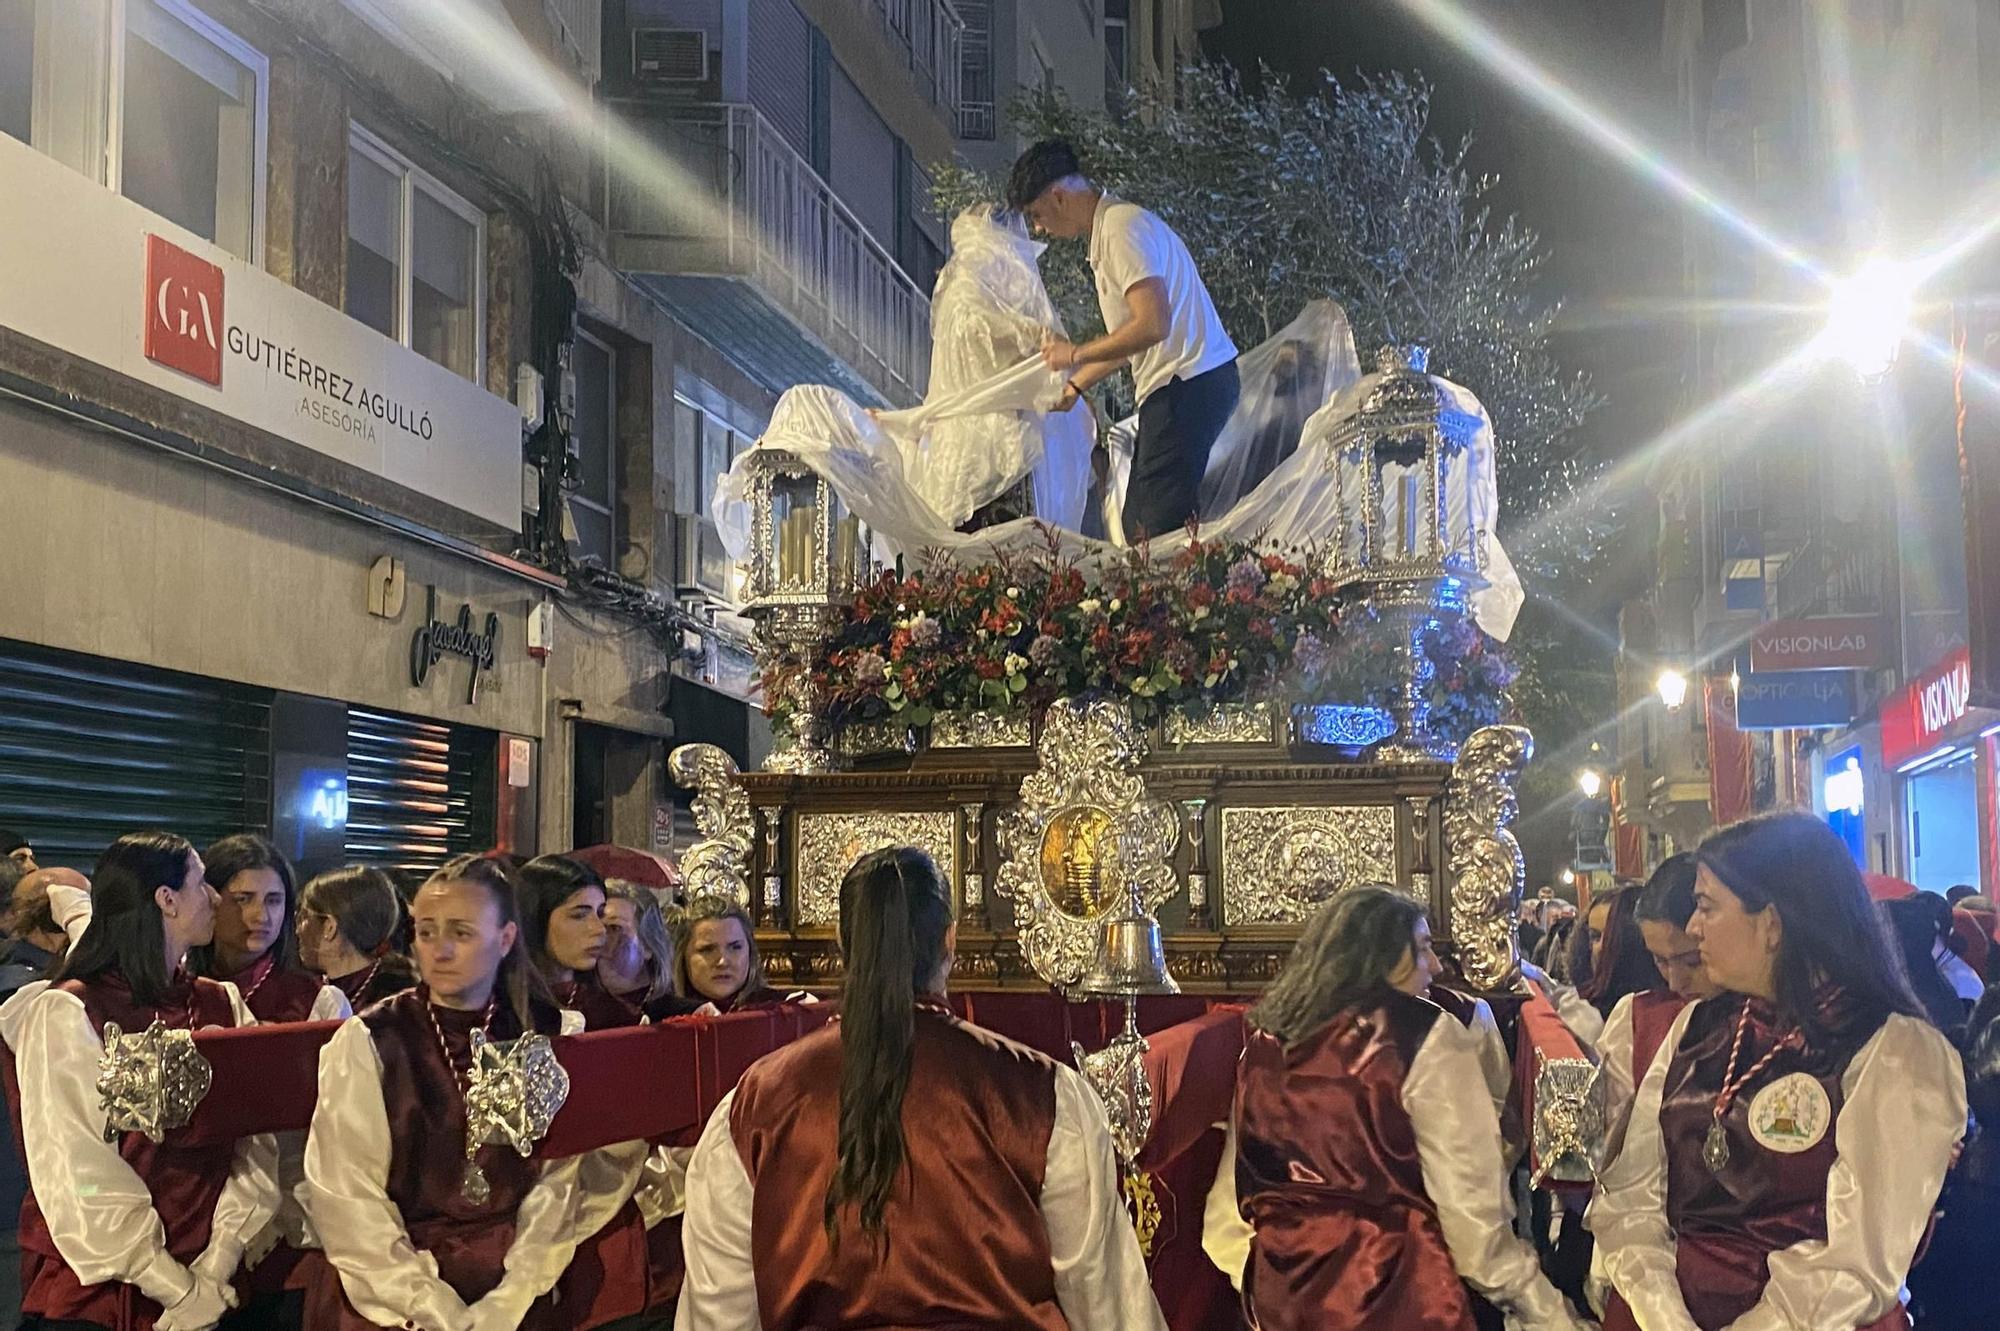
[
  {"x": 743, "y": 203},
  {"x": 929, "y": 33},
  {"x": 1826, "y": 578}
]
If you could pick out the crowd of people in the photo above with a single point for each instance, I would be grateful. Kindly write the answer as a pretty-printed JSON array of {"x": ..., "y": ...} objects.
[{"x": 1790, "y": 1110}]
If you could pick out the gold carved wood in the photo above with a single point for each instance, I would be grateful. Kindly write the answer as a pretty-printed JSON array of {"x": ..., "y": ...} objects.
[{"x": 1279, "y": 864}]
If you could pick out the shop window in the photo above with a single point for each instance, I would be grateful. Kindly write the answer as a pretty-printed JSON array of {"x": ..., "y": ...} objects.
[
  {"x": 415, "y": 250},
  {"x": 149, "y": 97},
  {"x": 593, "y": 504}
]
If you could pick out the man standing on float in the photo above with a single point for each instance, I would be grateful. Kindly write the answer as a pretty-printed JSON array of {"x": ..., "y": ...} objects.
[{"x": 1161, "y": 322}]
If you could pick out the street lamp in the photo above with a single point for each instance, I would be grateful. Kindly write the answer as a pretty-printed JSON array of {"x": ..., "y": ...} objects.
[
  {"x": 1591, "y": 782},
  {"x": 1673, "y": 688},
  {"x": 1867, "y": 316},
  {"x": 1569, "y": 878}
]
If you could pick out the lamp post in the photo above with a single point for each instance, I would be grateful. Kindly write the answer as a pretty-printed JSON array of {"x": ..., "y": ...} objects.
[
  {"x": 1672, "y": 687},
  {"x": 1591, "y": 782}
]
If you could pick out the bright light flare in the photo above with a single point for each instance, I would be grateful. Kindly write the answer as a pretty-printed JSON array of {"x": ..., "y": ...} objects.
[
  {"x": 1591, "y": 782},
  {"x": 1868, "y": 317},
  {"x": 1569, "y": 878},
  {"x": 1672, "y": 687}
]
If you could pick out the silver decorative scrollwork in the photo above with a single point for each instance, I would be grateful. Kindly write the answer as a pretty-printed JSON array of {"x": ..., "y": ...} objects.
[
  {"x": 1225, "y": 723},
  {"x": 830, "y": 843},
  {"x": 513, "y": 1092},
  {"x": 719, "y": 863},
  {"x": 1484, "y": 863},
  {"x": 1279, "y": 864},
  {"x": 1569, "y": 1120},
  {"x": 150, "y": 1081},
  {"x": 1086, "y": 841},
  {"x": 1118, "y": 1074},
  {"x": 981, "y": 730},
  {"x": 1340, "y": 725}
]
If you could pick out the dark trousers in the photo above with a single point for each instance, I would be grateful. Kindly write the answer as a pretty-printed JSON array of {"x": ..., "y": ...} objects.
[{"x": 1178, "y": 425}]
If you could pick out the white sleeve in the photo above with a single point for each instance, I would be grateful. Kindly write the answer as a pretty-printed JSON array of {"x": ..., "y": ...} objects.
[
  {"x": 71, "y": 907},
  {"x": 606, "y": 1179},
  {"x": 1614, "y": 1053},
  {"x": 1585, "y": 1022},
  {"x": 1100, "y": 1274},
  {"x": 1903, "y": 1112},
  {"x": 1497, "y": 1068},
  {"x": 662, "y": 1190},
  {"x": 720, "y": 1291},
  {"x": 1132, "y": 251},
  {"x": 330, "y": 1005},
  {"x": 545, "y": 1239},
  {"x": 1225, "y": 1235},
  {"x": 1628, "y": 1212},
  {"x": 348, "y": 1150},
  {"x": 250, "y": 1199},
  {"x": 1465, "y": 1175},
  {"x": 99, "y": 1211}
]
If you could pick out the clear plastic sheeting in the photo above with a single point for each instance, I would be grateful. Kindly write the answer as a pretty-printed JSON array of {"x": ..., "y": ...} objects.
[{"x": 1274, "y": 477}]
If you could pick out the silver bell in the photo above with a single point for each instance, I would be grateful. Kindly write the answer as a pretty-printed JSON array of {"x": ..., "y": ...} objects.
[{"x": 1130, "y": 958}]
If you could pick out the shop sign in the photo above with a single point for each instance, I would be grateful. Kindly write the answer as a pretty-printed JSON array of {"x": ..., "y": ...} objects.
[
  {"x": 1834, "y": 642},
  {"x": 1928, "y": 710},
  {"x": 164, "y": 307},
  {"x": 1795, "y": 700},
  {"x": 438, "y": 639}
]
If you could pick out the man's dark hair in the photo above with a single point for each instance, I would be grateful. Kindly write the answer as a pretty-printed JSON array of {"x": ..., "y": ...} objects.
[
  {"x": 1038, "y": 168},
  {"x": 11, "y": 841}
]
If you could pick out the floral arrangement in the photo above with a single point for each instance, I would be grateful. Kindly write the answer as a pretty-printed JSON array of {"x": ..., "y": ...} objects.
[{"x": 1218, "y": 622}]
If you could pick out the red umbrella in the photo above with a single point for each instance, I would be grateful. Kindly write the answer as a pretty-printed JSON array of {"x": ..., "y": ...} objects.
[
  {"x": 1881, "y": 887},
  {"x": 634, "y": 866}
]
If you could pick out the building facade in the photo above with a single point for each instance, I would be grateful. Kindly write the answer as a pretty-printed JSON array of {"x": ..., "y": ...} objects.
[
  {"x": 1813, "y": 540},
  {"x": 365, "y": 368}
]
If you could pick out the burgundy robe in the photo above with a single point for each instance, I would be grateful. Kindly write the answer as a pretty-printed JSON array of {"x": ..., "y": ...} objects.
[
  {"x": 1653, "y": 1013},
  {"x": 965, "y": 1245},
  {"x": 382, "y": 978},
  {"x": 274, "y": 995},
  {"x": 426, "y": 1110},
  {"x": 1726, "y": 1227},
  {"x": 1327, "y": 1172},
  {"x": 185, "y": 1181}
]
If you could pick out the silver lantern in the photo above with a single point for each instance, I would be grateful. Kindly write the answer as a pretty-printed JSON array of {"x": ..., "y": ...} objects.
[
  {"x": 807, "y": 556},
  {"x": 1414, "y": 501}
]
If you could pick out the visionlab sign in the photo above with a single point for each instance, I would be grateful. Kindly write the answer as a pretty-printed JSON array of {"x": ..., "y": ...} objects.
[
  {"x": 1795, "y": 700},
  {"x": 1835, "y": 642},
  {"x": 1929, "y": 711},
  {"x": 116, "y": 285}
]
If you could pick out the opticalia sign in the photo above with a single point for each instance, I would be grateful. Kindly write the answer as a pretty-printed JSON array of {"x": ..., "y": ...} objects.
[
  {"x": 1795, "y": 700},
  {"x": 1836, "y": 642},
  {"x": 1929, "y": 710}
]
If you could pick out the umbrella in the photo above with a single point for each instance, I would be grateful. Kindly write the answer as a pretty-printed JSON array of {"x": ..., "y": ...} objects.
[
  {"x": 1881, "y": 887},
  {"x": 634, "y": 866}
]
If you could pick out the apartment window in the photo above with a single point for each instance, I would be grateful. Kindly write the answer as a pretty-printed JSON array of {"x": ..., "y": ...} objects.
[
  {"x": 149, "y": 97},
  {"x": 415, "y": 269},
  {"x": 595, "y": 437}
]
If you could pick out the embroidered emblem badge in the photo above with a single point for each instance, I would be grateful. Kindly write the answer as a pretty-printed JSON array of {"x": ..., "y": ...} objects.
[{"x": 1791, "y": 1114}]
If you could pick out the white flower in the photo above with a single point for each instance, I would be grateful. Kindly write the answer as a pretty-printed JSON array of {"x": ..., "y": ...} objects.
[
  {"x": 1117, "y": 604},
  {"x": 1016, "y": 663},
  {"x": 1090, "y": 605},
  {"x": 1013, "y": 593}
]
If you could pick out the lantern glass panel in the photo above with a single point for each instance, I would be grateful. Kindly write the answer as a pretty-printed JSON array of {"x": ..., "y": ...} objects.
[{"x": 795, "y": 504}]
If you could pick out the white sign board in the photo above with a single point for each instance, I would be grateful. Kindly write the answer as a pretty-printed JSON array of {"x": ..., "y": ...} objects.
[{"x": 95, "y": 275}]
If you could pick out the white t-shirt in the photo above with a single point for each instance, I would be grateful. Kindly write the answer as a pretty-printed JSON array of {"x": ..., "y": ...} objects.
[{"x": 1129, "y": 245}]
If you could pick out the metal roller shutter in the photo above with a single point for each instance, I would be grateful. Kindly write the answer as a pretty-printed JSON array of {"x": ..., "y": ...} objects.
[
  {"x": 417, "y": 792},
  {"x": 92, "y": 748}
]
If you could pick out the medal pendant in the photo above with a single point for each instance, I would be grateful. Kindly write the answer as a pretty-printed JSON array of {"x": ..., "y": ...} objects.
[
  {"x": 475, "y": 1188},
  {"x": 1715, "y": 1148}
]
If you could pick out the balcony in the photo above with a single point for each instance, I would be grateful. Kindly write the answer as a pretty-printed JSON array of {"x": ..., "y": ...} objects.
[
  {"x": 735, "y": 232},
  {"x": 929, "y": 33}
]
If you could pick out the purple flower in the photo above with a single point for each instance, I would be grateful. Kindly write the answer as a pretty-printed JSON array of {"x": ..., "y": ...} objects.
[
  {"x": 1042, "y": 651},
  {"x": 925, "y": 632},
  {"x": 1245, "y": 575},
  {"x": 870, "y": 668},
  {"x": 1311, "y": 655}
]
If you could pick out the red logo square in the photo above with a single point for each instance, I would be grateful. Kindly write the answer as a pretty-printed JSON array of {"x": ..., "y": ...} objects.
[{"x": 183, "y": 311}]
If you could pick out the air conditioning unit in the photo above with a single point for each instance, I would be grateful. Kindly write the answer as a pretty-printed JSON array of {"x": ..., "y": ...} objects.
[{"x": 669, "y": 57}]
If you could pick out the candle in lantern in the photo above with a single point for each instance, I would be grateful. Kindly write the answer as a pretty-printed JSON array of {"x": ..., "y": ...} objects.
[{"x": 846, "y": 543}]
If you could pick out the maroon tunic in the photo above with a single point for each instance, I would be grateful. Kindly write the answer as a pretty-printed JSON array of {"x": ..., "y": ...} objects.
[
  {"x": 185, "y": 1181},
  {"x": 1727, "y": 1226},
  {"x": 965, "y": 1245},
  {"x": 426, "y": 1110},
  {"x": 1653, "y": 1013},
  {"x": 1327, "y": 1173},
  {"x": 382, "y": 978},
  {"x": 274, "y": 995}
]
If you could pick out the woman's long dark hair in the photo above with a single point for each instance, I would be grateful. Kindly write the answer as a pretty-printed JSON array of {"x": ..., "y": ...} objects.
[
  {"x": 528, "y": 996},
  {"x": 1344, "y": 957},
  {"x": 1668, "y": 896},
  {"x": 895, "y": 913},
  {"x": 126, "y": 934},
  {"x": 649, "y": 926},
  {"x": 1832, "y": 935},
  {"x": 221, "y": 863},
  {"x": 362, "y": 903},
  {"x": 1917, "y": 924},
  {"x": 1623, "y": 966},
  {"x": 547, "y": 882}
]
